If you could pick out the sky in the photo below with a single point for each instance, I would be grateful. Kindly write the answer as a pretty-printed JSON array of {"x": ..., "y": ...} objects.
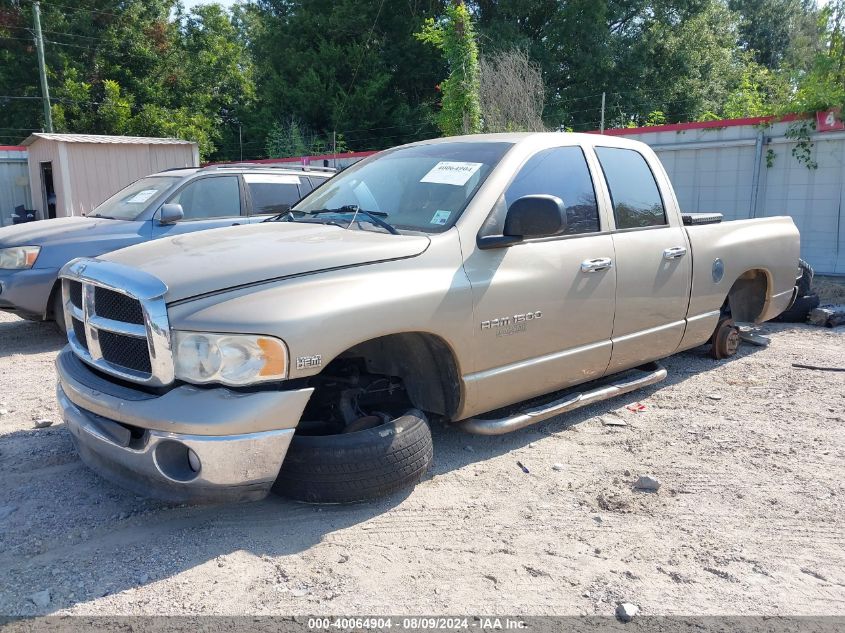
[{"x": 190, "y": 4}]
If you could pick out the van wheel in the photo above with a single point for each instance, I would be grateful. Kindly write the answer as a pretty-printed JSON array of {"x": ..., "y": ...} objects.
[
  {"x": 359, "y": 465},
  {"x": 59, "y": 312},
  {"x": 725, "y": 342}
]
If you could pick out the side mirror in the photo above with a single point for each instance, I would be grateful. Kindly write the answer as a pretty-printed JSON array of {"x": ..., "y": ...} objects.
[
  {"x": 170, "y": 213},
  {"x": 535, "y": 216}
]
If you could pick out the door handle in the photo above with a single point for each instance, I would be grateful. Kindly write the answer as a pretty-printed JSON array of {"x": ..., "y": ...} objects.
[
  {"x": 236, "y": 224},
  {"x": 596, "y": 265},
  {"x": 676, "y": 252}
]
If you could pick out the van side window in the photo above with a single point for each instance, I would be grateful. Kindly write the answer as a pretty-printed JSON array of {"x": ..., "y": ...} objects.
[
  {"x": 561, "y": 172},
  {"x": 215, "y": 197},
  {"x": 272, "y": 193},
  {"x": 633, "y": 189}
]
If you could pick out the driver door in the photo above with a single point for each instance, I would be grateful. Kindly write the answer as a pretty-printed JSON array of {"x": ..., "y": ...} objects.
[{"x": 543, "y": 318}]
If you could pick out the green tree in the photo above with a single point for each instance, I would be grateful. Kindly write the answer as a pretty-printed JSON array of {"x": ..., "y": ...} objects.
[
  {"x": 823, "y": 86},
  {"x": 778, "y": 33},
  {"x": 127, "y": 67},
  {"x": 350, "y": 66},
  {"x": 289, "y": 139},
  {"x": 454, "y": 36}
]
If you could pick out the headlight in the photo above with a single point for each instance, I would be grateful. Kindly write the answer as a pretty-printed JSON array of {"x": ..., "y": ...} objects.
[
  {"x": 18, "y": 257},
  {"x": 232, "y": 359}
]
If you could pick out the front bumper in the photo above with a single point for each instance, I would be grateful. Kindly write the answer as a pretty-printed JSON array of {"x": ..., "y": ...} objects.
[
  {"x": 27, "y": 292},
  {"x": 142, "y": 441}
]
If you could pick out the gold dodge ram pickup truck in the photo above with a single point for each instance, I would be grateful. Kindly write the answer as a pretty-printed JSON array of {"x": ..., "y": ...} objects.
[{"x": 453, "y": 278}]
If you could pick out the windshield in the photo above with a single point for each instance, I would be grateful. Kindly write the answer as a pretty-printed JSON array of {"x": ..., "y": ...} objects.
[
  {"x": 130, "y": 202},
  {"x": 420, "y": 188}
]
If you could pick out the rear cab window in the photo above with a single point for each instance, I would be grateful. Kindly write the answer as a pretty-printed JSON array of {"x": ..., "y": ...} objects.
[{"x": 634, "y": 193}]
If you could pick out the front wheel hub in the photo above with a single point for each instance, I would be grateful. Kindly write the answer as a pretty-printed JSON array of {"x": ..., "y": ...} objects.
[{"x": 726, "y": 340}]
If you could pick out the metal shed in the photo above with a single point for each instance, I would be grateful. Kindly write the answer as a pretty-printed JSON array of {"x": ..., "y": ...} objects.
[
  {"x": 14, "y": 181},
  {"x": 744, "y": 168},
  {"x": 70, "y": 174}
]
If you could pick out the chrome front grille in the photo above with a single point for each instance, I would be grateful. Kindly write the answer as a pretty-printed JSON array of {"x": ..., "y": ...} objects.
[
  {"x": 118, "y": 307},
  {"x": 125, "y": 351},
  {"x": 118, "y": 320}
]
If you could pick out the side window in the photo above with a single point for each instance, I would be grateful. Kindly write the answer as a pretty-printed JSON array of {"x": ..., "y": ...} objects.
[
  {"x": 272, "y": 193},
  {"x": 305, "y": 186},
  {"x": 561, "y": 172},
  {"x": 215, "y": 197},
  {"x": 633, "y": 189},
  {"x": 316, "y": 181}
]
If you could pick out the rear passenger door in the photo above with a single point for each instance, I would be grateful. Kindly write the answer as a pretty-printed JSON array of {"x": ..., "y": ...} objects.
[
  {"x": 653, "y": 263},
  {"x": 271, "y": 194},
  {"x": 208, "y": 202}
]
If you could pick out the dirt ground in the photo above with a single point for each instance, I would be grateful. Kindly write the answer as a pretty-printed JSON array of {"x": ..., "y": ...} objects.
[{"x": 749, "y": 518}]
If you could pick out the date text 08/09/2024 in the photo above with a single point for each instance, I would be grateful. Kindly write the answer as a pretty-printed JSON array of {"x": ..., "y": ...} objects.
[{"x": 417, "y": 623}]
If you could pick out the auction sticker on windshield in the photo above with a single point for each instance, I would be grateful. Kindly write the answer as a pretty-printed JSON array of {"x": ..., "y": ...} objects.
[
  {"x": 142, "y": 196},
  {"x": 451, "y": 173}
]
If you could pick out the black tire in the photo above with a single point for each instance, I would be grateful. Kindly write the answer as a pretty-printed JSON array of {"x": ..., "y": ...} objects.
[
  {"x": 357, "y": 466},
  {"x": 799, "y": 310},
  {"x": 58, "y": 311},
  {"x": 805, "y": 281}
]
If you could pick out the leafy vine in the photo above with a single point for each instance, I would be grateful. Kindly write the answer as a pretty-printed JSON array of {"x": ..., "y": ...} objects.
[{"x": 800, "y": 131}]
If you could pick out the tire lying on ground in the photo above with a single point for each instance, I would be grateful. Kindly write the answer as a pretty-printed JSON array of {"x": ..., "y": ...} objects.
[
  {"x": 799, "y": 310},
  {"x": 805, "y": 281},
  {"x": 357, "y": 466}
]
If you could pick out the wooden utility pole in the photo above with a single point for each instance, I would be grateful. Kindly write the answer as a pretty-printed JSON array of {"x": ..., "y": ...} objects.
[
  {"x": 42, "y": 69},
  {"x": 334, "y": 148},
  {"x": 601, "y": 129}
]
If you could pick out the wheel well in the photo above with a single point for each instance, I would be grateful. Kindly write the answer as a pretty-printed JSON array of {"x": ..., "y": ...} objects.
[
  {"x": 48, "y": 311},
  {"x": 424, "y": 362},
  {"x": 748, "y": 296}
]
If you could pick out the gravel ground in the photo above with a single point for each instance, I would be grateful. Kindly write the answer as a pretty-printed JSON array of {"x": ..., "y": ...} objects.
[{"x": 748, "y": 519}]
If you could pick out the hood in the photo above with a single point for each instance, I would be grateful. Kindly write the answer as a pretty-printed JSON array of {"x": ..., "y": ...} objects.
[
  {"x": 210, "y": 261},
  {"x": 61, "y": 230}
]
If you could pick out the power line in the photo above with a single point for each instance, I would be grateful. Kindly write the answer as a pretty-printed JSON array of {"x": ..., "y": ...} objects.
[
  {"x": 361, "y": 59},
  {"x": 86, "y": 37},
  {"x": 387, "y": 127},
  {"x": 81, "y": 9},
  {"x": 85, "y": 48}
]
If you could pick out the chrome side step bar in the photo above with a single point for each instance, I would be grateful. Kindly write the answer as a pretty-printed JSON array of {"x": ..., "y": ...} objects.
[{"x": 654, "y": 374}]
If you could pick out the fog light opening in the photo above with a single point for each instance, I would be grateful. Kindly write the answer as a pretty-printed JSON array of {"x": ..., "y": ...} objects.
[
  {"x": 194, "y": 461},
  {"x": 176, "y": 461}
]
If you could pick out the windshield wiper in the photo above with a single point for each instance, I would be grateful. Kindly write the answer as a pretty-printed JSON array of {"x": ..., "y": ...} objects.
[
  {"x": 280, "y": 216},
  {"x": 289, "y": 216},
  {"x": 100, "y": 215},
  {"x": 375, "y": 216}
]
